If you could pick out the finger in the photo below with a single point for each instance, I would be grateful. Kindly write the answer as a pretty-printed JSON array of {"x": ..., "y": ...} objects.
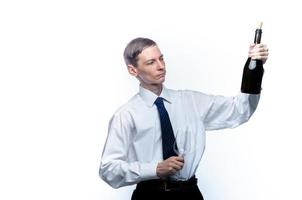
[
  {"x": 259, "y": 58},
  {"x": 178, "y": 164},
  {"x": 257, "y": 46},
  {"x": 263, "y": 49},
  {"x": 170, "y": 171},
  {"x": 256, "y": 50},
  {"x": 265, "y": 53},
  {"x": 172, "y": 167},
  {"x": 179, "y": 158},
  {"x": 175, "y": 166},
  {"x": 176, "y": 158},
  {"x": 252, "y": 45},
  {"x": 175, "y": 163},
  {"x": 260, "y": 46},
  {"x": 257, "y": 54}
]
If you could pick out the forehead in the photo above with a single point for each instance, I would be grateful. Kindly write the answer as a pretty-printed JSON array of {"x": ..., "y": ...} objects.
[{"x": 150, "y": 53}]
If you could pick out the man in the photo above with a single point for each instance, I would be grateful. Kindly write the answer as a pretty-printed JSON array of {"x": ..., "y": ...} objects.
[{"x": 141, "y": 148}]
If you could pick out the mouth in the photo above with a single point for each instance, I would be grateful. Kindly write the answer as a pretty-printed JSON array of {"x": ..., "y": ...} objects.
[{"x": 162, "y": 75}]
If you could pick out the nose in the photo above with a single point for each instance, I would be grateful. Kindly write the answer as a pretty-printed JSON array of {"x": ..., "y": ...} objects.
[{"x": 161, "y": 64}]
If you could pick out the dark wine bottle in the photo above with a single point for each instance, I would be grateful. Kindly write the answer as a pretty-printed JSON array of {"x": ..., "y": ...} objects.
[{"x": 253, "y": 69}]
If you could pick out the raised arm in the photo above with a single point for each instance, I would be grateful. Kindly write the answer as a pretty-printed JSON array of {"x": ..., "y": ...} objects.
[{"x": 229, "y": 112}]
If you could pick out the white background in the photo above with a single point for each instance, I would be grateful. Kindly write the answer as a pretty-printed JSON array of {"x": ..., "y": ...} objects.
[{"x": 62, "y": 76}]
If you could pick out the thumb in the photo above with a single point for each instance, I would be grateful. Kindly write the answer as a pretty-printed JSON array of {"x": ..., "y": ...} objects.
[{"x": 252, "y": 46}]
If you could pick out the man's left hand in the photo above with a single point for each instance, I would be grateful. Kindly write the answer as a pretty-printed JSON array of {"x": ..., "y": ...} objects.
[{"x": 258, "y": 51}]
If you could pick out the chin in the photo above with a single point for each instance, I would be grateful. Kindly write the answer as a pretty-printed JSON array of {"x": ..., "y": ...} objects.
[{"x": 162, "y": 79}]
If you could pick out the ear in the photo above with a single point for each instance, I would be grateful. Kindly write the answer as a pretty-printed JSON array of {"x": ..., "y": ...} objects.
[{"x": 132, "y": 70}]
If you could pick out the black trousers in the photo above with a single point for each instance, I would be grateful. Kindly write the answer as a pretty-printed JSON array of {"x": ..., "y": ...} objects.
[{"x": 147, "y": 192}]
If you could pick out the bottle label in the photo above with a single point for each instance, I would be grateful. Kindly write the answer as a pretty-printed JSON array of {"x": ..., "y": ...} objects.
[{"x": 252, "y": 65}]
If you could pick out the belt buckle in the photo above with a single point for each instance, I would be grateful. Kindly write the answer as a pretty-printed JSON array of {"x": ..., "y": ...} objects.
[{"x": 166, "y": 188}]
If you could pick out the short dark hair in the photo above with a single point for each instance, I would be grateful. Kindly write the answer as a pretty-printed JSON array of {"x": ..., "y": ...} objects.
[{"x": 134, "y": 48}]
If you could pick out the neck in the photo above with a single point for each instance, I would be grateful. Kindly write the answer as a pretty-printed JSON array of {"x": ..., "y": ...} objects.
[{"x": 156, "y": 89}]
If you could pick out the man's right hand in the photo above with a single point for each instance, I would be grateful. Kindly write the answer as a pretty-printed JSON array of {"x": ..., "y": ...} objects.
[{"x": 169, "y": 166}]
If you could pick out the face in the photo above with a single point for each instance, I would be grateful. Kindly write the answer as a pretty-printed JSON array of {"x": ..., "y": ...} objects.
[{"x": 150, "y": 69}]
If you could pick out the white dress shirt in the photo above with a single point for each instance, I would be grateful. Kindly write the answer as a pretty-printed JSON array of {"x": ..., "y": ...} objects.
[{"x": 134, "y": 147}]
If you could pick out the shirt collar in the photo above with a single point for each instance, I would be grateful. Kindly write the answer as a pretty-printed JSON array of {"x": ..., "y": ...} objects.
[{"x": 149, "y": 97}]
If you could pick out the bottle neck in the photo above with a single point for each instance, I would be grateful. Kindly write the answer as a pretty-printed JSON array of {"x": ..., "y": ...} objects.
[{"x": 257, "y": 39}]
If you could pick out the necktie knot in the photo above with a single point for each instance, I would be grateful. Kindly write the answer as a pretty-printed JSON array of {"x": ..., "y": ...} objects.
[{"x": 159, "y": 101}]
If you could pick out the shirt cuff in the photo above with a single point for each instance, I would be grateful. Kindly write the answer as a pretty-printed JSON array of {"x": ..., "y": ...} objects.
[{"x": 148, "y": 171}]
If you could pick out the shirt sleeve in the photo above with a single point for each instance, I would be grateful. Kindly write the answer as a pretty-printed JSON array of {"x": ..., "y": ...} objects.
[
  {"x": 115, "y": 168},
  {"x": 227, "y": 112},
  {"x": 230, "y": 112}
]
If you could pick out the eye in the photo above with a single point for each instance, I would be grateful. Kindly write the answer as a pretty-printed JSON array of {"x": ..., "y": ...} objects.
[{"x": 150, "y": 62}]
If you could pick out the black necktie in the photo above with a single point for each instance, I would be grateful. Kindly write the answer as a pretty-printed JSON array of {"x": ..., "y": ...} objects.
[{"x": 168, "y": 138}]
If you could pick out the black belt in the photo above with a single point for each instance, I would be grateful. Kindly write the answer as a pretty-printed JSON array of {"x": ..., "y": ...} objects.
[{"x": 167, "y": 185}]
